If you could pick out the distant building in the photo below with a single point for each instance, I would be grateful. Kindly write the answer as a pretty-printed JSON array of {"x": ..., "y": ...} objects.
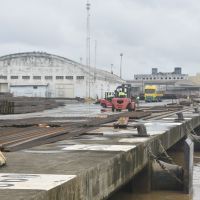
[
  {"x": 162, "y": 76},
  {"x": 169, "y": 82},
  {"x": 45, "y": 75},
  {"x": 195, "y": 79}
]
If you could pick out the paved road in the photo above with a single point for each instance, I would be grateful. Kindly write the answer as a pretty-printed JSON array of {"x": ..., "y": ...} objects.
[
  {"x": 69, "y": 110},
  {"x": 72, "y": 110}
]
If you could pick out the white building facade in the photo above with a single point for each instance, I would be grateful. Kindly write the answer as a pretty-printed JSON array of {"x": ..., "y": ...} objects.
[
  {"x": 162, "y": 76},
  {"x": 46, "y": 75}
]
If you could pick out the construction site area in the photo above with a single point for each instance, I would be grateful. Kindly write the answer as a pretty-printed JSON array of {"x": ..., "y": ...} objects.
[
  {"x": 68, "y": 149},
  {"x": 99, "y": 100}
]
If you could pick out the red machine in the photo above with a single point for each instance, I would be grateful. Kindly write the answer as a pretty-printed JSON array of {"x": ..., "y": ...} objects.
[
  {"x": 106, "y": 102},
  {"x": 123, "y": 102}
]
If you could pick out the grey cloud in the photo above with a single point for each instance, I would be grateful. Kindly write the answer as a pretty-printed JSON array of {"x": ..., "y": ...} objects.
[{"x": 150, "y": 33}]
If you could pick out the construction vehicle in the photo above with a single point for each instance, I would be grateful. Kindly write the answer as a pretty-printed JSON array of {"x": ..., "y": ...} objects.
[
  {"x": 122, "y": 99},
  {"x": 151, "y": 94},
  {"x": 107, "y": 101}
]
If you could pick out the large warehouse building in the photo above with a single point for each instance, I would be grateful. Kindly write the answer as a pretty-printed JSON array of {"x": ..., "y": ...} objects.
[{"x": 45, "y": 75}]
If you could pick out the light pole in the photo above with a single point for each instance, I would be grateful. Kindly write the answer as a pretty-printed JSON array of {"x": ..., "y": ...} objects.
[
  {"x": 121, "y": 55},
  {"x": 95, "y": 59},
  {"x": 142, "y": 85},
  {"x": 111, "y": 66},
  {"x": 88, "y": 44},
  {"x": 81, "y": 59}
]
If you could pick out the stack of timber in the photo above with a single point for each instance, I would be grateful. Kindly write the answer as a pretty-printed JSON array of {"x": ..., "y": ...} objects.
[
  {"x": 18, "y": 105},
  {"x": 196, "y": 100},
  {"x": 185, "y": 103},
  {"x": 6, "y": 107},
  {"x": 5, "y": 94},
  {"x": 16, "y": 138}
]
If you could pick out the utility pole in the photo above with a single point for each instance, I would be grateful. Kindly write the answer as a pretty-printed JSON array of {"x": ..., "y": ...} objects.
[
  {"x": 121, "y": 55},
  {"x": 88, "y": 44},
  {"x": 81, "y": 59},
  {"x": 95, "y": 59},
  {"x": 111, "y": 68}
]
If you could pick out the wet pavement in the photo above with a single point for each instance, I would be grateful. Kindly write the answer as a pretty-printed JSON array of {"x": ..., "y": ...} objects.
[
  {"x": 95, "y": 153},
  {"x": 73, "y": 110},
  {"x": 69, "y": 110}
]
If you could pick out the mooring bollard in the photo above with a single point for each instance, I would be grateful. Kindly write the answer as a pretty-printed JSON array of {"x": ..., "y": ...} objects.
[
  {"x": 141, "y": 129},
  {"x": 180, "y": 116},
  {"x": 196, "y": 109}
]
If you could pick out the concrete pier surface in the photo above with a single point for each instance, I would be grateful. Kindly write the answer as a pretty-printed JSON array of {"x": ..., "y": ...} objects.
[
  {"x": 72, "y": 110},
  {"x": 91, "y": 166}
]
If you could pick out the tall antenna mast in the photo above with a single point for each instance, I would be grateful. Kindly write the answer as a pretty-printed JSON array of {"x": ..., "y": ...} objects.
[
  {"x": 95, "y": 59},
  {"x": 88, "y": 44},
  {"x": 121, "y": 55},
  {"x": 81, "y": 59}
]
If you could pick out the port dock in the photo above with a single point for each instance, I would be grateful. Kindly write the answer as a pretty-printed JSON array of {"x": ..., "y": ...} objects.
[{"x": 93, "y": 163}]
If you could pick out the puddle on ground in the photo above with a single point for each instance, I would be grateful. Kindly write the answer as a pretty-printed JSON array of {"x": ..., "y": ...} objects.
[
  {"x": 69, "y": 110},
  {"x": 167, "y": 195}
]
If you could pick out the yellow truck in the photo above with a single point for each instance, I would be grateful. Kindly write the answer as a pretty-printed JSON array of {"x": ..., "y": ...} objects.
[{"x": 151, "y": 94}]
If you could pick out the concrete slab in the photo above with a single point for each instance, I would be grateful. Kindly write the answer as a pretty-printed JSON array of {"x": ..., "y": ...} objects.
[
  {"x": 99, "y": 169},
  {"x": 98, "y": 147},
  {"x": 13, "y": 181},
  {"x": 133, "y": 140}
]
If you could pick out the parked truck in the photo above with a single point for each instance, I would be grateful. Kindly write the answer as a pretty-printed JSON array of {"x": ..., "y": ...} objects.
[{"x": 151, "y": 94}]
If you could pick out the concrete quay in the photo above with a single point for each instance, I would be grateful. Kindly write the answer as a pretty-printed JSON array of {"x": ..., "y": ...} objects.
[{"x": 91, "y": 166}]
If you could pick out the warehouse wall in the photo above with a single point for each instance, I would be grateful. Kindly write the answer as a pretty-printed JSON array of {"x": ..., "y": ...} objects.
[
  {"x": 64, "y": 78},
  {"x": 29, "y": 91}
]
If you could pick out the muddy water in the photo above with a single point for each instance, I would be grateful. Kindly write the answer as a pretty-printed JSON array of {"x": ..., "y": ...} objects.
[{"x": 167, "y": 195}]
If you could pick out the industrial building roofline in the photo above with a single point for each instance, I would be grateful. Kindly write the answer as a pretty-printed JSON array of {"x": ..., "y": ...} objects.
[{"x": 99, "y": 72}]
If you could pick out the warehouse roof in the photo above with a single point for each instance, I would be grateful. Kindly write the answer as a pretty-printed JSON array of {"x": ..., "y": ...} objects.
[{"x": 100, "y": 74}]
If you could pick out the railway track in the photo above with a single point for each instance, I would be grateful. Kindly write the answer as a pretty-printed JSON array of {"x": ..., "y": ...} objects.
[
  {"x": 165, "y": 114},
  {"x": 17, "y": 138}
]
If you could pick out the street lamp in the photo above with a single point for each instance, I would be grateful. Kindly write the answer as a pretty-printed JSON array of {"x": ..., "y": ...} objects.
[
  {"x": 121, "y": 55},
  {"x": 111, "y": 68},
  {"x": 88, "y": 44},
  {"x": 81, "y": 59}
]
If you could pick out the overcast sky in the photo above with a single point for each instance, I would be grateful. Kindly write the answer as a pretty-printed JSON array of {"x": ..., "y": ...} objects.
[{"x": 150, "y": 33}]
